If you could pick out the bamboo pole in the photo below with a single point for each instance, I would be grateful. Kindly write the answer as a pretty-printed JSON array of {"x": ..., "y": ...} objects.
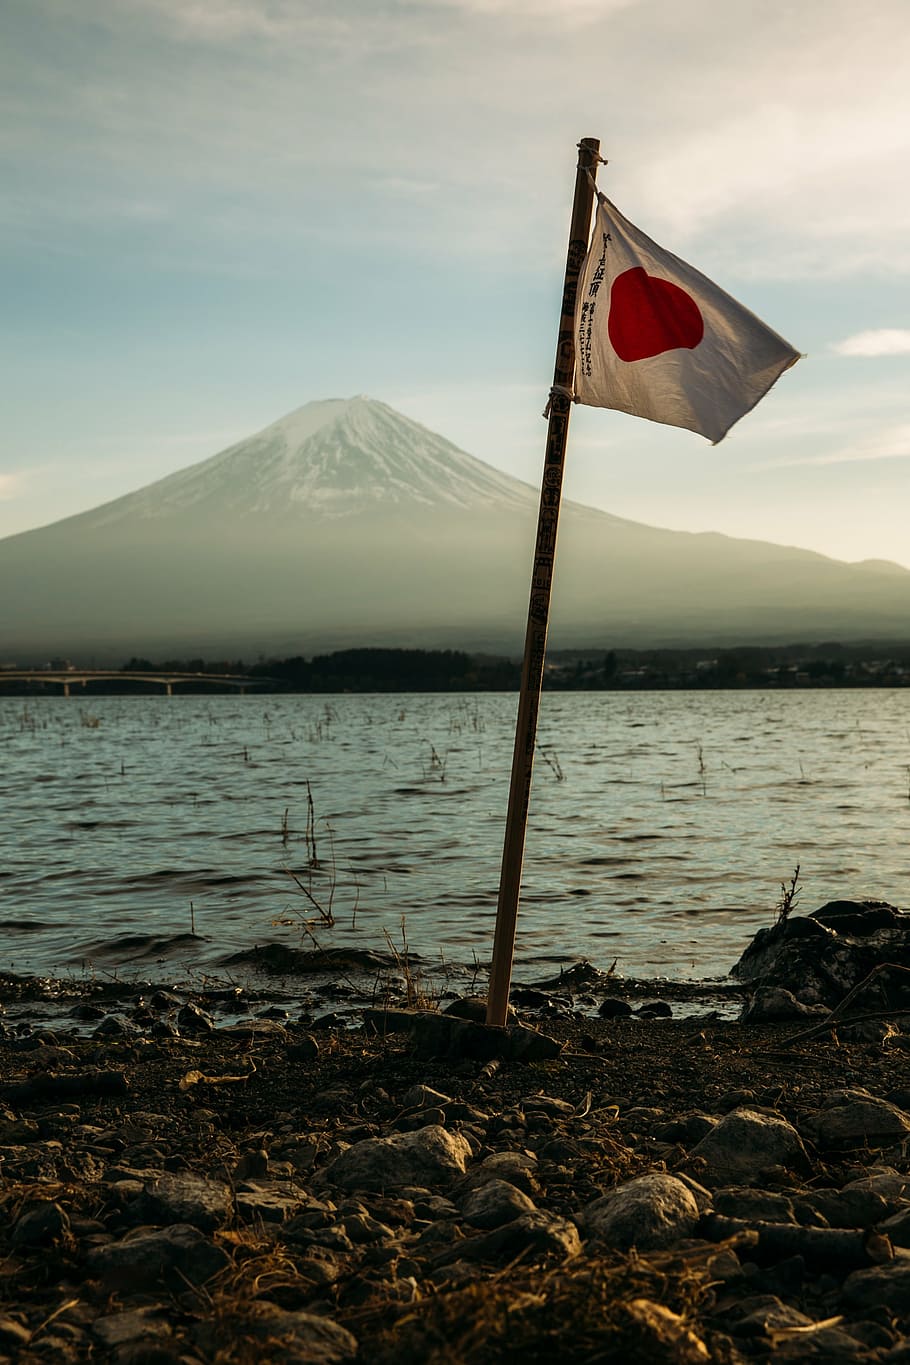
[{"x": 541, "y": 585}]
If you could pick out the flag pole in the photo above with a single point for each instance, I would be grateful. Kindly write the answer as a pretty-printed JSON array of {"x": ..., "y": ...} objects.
[{"x": 558, "y": 410}]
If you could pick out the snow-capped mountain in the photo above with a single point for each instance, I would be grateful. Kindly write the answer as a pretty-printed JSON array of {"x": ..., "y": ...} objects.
[
  {"x": 335, "y": 458},
  {"x": 346, "y": 523}
]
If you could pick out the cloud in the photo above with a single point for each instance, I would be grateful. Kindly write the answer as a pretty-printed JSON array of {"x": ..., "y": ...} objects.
[
  {"x": 879, "y": 341},
  {"x": 212, "y": 107},
  {"x": 891, "y": 443}
]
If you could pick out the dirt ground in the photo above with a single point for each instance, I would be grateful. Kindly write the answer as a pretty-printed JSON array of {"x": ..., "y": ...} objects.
[{"x": 86, "y": 1123}]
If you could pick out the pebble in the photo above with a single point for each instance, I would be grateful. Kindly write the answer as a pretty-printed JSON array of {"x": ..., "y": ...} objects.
[{"x": 493, "y": 1203}]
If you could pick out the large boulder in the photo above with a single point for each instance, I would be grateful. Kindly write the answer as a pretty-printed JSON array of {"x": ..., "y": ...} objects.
[
  {"x": 747, "y": 1143},
  {"x": 430, "y": 1157},
  {"x": 174, "y": 1256},
  {"x": 649, "y": 1213},
  {"x": 184, "y": 1197},
  {"x": 822, "y": 956},
  {"x": 855, "y": 1119}
]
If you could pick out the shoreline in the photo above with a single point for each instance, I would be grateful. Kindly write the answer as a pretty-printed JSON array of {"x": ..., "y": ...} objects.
[
  {"x": 341, "y": 987},
  {"x": 197, "y": 1197},
  {"x": 192, "y": 1185}
]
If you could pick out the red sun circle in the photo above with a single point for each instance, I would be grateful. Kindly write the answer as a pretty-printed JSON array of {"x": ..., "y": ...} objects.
[{"x": 649, "y": 316}]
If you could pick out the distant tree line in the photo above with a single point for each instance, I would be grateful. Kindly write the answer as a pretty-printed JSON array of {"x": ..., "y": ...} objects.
[
  {"x": 392, "y": 670},
  {"x": 448, "y": 670},
  {"x": 359, "y": 670}
]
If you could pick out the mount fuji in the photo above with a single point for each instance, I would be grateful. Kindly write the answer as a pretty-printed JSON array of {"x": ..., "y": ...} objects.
[{"x": 347, "y": 523}]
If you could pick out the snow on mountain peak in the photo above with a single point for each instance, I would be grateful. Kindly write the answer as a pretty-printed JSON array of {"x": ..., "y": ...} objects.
[{"x": 331, "y": 458}]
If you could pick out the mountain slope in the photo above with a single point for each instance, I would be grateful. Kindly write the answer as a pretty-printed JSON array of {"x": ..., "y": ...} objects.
[
  {"x": 329, "y": 459},
  {"x": 348, "y": 523}
]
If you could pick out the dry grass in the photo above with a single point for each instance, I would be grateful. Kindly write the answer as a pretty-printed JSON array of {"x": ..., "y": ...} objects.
[{"x": 638, "y": 1310}]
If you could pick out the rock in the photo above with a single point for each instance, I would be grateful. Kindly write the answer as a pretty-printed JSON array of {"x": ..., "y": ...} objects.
[
  {"x": 429, "y": 1156},
  {"x": 334, "y": 1019},
  {"x": 745, "y": 1202},
  {"x": 581, "y": 976},
  {"x": 305, "y": 1339},
  {"x": 271, "y": 1203},
  {"x": 885, "y": 1285},
  {"x": 252, "y": 1166},
  {"x": 183, "y": 1197},
  {"x": 494, "y": 1203},
  {"x": 518, "y": 1168},
  {"x": 138, "y": 1324},
  {"x": 688, "y": 1130},
  {"x": 863, "y": 918},
  {"x": 423, "y": 1118},
  {"x": 762, "y": 1315},
  {"x": 115, "y": 1026},
  {"x": 548, "y": 1104},
  {"x": 746, "y": 1143},
  {"x": 528, "y": 997},
  {"x": 649, "y": 1213},
  {"x": 847, "y": 1208},
  {"x": 614, "y": 1008},
  {"x": 40, "y": 1223},
  {"x": 822, "y": 957},
  {"x": 164, "y": 1000},
  {"x": 773, "y": 1004},
  {"x": 170, "y": 1256},
  {"x": 14, "y": 1131},
  {"x": 897, "y": 1227},
  {"x": 363, "y": 1229},
  {"x": 192, "y": 1019},
  {"x": 859, "y": 1121},
  {"x": 639, "y": 1118},
  {"x": 655, "y": 1009},
  {"x": 883, "y": 1181},
  {"x": 303, "y": 1050},
  {"x": 829, "y": 1345}
]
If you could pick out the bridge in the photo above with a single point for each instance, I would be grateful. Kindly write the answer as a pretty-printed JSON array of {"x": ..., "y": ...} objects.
[{"x": 78, "y": 677}]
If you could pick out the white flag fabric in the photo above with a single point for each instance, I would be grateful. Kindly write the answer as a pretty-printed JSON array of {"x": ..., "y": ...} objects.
[{"x": 657, "y": 339}]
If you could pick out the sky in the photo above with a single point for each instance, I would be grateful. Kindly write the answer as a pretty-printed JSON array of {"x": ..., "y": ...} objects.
[{"x": 215, "y": 211}]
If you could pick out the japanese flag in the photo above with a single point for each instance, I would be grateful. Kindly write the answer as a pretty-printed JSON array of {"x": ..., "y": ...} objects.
[{"x": 655, "y": 338}]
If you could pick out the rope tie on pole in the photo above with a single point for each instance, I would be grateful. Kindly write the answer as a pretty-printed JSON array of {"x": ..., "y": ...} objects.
[
  {"x": 558, "y": 389},
  {"x": 594, "y": 156}
]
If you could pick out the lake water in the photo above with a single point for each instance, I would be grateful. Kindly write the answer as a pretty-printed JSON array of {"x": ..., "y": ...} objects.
[{"x": 662, "y": 824}]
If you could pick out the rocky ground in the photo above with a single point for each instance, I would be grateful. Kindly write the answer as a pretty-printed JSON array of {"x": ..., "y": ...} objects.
[{"x": 189, "y": 1178}]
